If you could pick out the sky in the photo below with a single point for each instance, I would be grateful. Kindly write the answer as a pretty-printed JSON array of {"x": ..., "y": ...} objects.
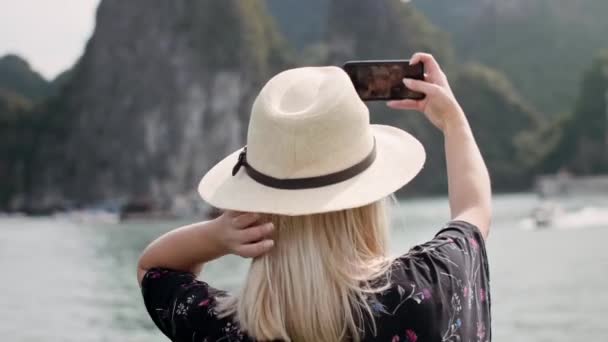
[{"x": 50, "y": 35}]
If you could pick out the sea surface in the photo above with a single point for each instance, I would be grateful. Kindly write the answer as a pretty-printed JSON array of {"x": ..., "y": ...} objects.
[{"x": 62, "y": 280}]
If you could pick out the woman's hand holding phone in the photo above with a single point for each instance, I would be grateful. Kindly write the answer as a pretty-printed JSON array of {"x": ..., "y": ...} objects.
[
  {"x": 439, "y": 105},
  {"x": 468, "y": 180}
]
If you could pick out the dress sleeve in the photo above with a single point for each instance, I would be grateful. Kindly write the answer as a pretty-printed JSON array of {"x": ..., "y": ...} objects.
[
  {"x": 465, "y": 281},
  {"x": 453, "y": 268},
  {"x": 181, "y": 306},
  {"x": 458, "y": 248},
  {"x": 466, "y": 246}
]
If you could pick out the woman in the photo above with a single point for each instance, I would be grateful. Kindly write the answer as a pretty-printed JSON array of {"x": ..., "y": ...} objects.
[{"x": 306, "y": 199}]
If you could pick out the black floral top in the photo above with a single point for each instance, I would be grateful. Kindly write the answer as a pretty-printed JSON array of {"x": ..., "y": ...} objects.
[{"x": 440, "y": 292}]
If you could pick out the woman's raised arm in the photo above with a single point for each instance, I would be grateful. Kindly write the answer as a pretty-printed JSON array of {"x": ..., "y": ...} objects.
[{"x": 468, "y": 180}]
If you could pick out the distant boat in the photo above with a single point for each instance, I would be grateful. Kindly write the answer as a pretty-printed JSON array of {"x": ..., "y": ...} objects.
[
  {"x": 563, "y": 183},
  {"x": 144, "y": 209},
  {"x": 553, "y": 216},
  {"x": 88, "y": 216},
  {"x": 545, "y": 214},
  {"x": 557, "y": 212}
]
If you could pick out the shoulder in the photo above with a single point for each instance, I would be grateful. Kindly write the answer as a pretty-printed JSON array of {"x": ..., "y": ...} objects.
[
  {"x": 461, "y": 229},
  {"x": 465, "y": 244},
  {"x": 455, "y": 250}
]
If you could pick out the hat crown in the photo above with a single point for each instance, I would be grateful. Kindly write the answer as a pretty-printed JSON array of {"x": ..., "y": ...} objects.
[{"x": 308, "y": 122}]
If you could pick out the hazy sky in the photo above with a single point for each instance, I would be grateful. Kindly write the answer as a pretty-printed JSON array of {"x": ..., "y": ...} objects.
[{"x": 49, "y": 34}]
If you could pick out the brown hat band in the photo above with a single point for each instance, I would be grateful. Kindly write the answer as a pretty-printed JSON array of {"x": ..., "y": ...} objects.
[{"x": 304, "y": 183}]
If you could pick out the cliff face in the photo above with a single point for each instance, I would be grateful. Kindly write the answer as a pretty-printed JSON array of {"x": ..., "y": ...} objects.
[
  {"x": 301, "y": 22},
  {"x": 380, "y": 30},
  {"x": 162, "y": 92}
]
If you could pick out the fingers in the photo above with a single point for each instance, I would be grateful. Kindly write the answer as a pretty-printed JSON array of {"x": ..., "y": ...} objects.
[
  {"x": 245, "y": 236},
  {"x": 407, "y": 104},
  {"x": 253, "y": 250},
  {"x": 415, "y": 85},
  {"x": 232, "y": 213},
  {"x": 241, "y": 234},
  {"x": 245, "y": 220},
  {"x": 430, "y": 64},
  {"x": 255, "y": 233},
  {"x": 420, "y": 86}
]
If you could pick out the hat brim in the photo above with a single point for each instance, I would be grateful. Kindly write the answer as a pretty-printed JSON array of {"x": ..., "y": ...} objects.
[{"x": 399, "y": 158}]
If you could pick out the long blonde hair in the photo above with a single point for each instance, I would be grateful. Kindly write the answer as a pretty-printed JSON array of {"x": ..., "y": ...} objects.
[{"x": 315, "y": 283}]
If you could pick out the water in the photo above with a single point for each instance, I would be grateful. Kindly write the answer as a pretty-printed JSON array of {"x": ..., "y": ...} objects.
[{"x": 60, "y": 281}]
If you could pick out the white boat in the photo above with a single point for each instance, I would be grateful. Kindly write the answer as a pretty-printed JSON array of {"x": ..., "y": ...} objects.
[
  {"x": 563, "y": 184},
  {"x": 550, "y": 215},
  {"x": 89, "y": 216}
]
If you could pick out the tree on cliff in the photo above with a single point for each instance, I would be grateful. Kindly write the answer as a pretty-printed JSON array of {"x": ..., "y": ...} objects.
[
  {"x": 16, "y": 123},
  {"x": 21, "y": 91},
  {"x": 500, "y": 119},
  {"x": 583, "y": 134},
  {"x": 17, "y": 76}
]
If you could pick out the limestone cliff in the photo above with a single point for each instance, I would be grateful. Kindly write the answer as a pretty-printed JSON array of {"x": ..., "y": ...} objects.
[{"x": 163, "y": 90}]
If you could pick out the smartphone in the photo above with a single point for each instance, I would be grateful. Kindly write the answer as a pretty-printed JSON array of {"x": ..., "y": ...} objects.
[{"x": 382, "y": 80}]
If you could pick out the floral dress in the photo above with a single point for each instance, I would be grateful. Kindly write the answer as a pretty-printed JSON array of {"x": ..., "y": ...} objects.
[{"x": 439, "y": 292}]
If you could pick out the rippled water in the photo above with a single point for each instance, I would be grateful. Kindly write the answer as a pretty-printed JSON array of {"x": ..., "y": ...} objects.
[{"x": 61, "y": 281}]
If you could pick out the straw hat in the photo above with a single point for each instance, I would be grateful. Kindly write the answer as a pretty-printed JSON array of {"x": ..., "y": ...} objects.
[{"x": 311, "y": 149}]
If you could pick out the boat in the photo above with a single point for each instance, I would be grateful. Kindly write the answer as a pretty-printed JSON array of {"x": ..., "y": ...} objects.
[
  {"x": 551, "y": 216},
  {"x": 563, "y": 184},
  {"x": 561, "y": 206},
  {"x": 88, "y": 216}
]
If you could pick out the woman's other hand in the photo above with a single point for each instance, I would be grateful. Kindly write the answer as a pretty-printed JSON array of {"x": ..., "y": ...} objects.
[
  {"x": 242, "y": 234},
  {"x": 187, "y": 248},
  {"x": 439, "y": 105}
]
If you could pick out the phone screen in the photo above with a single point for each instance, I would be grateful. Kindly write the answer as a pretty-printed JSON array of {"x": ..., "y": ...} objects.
[{"x": 383, "y": 80}]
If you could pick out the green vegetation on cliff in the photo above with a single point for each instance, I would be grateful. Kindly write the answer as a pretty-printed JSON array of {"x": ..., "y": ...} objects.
[
  {"x": 500, "y": 119},
  {"x": 17, "y": 77},
  {"x": 16, "y": 124},
  {"x": 542, "y": 46},
  {"x": 497, "y": 111},
  {"x": 250, "y": 38},
  {"x": 22, "y": 94},
  {"x": 583, "y": 135},
  {"x": 381, "y": 30},
  {"x": 302, "y": 23}
]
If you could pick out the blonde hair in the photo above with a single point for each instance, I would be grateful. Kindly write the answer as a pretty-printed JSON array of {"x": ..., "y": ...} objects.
[{"x": 315, "y": 283}]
